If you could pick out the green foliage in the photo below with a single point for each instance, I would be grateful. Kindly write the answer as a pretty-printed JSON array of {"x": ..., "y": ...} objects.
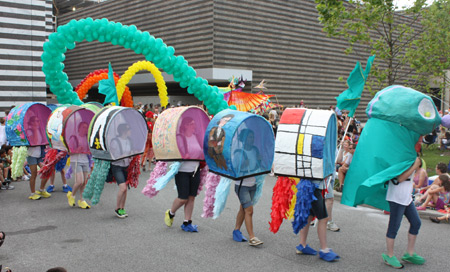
[
  {"x": 431, "y": 52},
  {"x": 374, "y": 27}
]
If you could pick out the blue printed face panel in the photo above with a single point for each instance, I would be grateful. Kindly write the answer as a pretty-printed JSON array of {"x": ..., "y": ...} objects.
[
  {"x": 305, "y": 144},
  {"x": 239, "y": 144}
]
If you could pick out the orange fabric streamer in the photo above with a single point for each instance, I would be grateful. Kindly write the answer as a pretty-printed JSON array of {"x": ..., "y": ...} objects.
[{"x": 93, "y": 78}]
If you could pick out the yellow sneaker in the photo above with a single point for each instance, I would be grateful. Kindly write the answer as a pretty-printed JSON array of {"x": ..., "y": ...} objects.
[
  {"x": 83, "y": 204},
  {"x": 71, "y": 199},
  {"x": 34, "y": 197},
  {"x": 44, "y": 194},
  {"x": 167, "y": 219}
]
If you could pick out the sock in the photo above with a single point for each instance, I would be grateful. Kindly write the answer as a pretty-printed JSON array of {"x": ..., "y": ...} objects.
[
  {"x": 65, "y": 185},
  {"x": 186, "y": 222},
  {"x": 171, "y": 215},
  {"x": 326, "y": 250}
]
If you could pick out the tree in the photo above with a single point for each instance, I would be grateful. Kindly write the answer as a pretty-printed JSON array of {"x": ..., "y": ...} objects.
[
  {"x": 431, "y": 54},
  {"x": 375, "y": 27}
]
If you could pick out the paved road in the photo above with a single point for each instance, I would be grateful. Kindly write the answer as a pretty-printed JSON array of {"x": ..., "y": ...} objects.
[{"x": 48, "y": 233}]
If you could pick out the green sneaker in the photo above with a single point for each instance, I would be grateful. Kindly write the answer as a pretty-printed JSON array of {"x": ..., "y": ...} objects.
[
  {"x": 414, "y": 259},
  {"x": 392, "y": 261},
  {"x": 123, "y": 212}
]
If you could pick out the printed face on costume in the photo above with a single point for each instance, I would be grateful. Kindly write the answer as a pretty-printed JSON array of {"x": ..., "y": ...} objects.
[
  {"x": 83, "y": 129},
  {"x": 224, "y": 120}
]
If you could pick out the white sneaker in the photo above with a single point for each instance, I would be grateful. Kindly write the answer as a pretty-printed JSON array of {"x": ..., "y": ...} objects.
[
  {"x": 332, "y": 226},
  {"x": 25, "y": 177}
]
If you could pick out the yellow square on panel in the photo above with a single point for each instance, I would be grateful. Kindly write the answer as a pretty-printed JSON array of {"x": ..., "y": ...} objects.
[{"x": 301, "y": 138}]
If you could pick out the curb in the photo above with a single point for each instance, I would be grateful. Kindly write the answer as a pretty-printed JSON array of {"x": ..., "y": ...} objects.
[{"x": 422, "y": 214}]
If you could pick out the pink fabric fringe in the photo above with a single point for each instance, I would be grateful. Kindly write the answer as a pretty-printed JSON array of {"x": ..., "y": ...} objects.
[
  {"x": 159, "y": 171},
  {"x": 203, "y": 174},
  {"x": 212, "y": 180}
]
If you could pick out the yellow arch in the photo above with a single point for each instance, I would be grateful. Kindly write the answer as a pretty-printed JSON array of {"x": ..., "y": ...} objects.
[{"x": 139, "y": 66}]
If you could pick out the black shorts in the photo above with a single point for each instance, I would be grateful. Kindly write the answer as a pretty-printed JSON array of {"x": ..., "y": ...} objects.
[
  {"x": 318, "y": 208},
  {"x": 187, "y": 184},
  {"x": 120, "y": 173}
]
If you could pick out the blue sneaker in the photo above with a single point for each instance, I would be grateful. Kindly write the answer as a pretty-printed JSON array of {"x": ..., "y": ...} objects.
[
  {"x": 50, "y": 188},
  {"x": 238, "y": 237},
  {"x": 307, "y": 250},
  {"x": 189, "y": 228},
  {"x": 329, "y": 256},
  {"x": 66, "y": 189}
]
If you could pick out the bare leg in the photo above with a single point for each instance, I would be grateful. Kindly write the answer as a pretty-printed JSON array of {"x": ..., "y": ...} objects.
[
  {"x": 390, "y": 246},
  {"x": 52, "y": 179},
  {"x": 177, "y": 203},
  {"x": 249, "y": 221},
  {"x": 33, "y": 168},
  {"x": 411, "y": 243},
  {"x": 329, "y": 204},
  {"x": 121, "y": 196},
  {"x": 304, "y": 232},
  {"x": 322, "y": 233},
  {"x": 79, "y": 184},
  {"x": 63, "y": 177},
  {"x": 189, "y": 208},
  {"x": 239, "y": 218}
]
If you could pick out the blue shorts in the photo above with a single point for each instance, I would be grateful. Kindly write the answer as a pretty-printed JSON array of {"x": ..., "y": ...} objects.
[
  {"x": 245, "y": 195},
  {"x": 119, "y": 173},
  {"x": 34, "y": 160}
]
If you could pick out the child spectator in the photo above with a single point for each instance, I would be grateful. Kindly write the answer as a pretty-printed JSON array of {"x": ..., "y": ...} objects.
[
  {"x": 344, "y": 168},
  {"x": 434, "y": 192}
]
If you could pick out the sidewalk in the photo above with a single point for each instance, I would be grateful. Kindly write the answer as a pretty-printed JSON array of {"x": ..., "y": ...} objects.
[{"x": 423, "y": 214}]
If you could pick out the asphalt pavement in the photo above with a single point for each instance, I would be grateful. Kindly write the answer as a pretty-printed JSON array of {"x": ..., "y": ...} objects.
[{"x": 48, "y": 233}]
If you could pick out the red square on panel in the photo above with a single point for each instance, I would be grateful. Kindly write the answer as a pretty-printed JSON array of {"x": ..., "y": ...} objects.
[{"x": 292, "y": 116}]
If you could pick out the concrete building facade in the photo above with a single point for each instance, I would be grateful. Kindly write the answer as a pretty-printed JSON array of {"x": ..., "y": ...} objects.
[{"x": 24, "y": 27}]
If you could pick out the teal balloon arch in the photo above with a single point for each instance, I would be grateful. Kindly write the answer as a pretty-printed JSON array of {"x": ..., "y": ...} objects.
[{"x": 154, "y": 50}]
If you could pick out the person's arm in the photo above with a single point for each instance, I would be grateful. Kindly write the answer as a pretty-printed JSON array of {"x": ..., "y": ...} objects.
[
  {"x": 405, "y": 175},
  {"x": 423, "y": 178},
  {"x": 436, "y": 190}
]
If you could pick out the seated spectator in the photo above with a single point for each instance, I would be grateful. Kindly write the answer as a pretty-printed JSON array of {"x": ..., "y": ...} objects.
[
  {"x": 420, "y": 177},
  {"x": 433, "y": 197},
  {"x": 355, "y": 136},
  {"x": 445, "y": 141},
  {"x": 344, "y": 168},
  {"x": 4, "y": 165}
]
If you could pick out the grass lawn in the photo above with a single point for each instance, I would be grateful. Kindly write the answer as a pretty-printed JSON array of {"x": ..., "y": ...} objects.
[{"x": 432, "y": 156}]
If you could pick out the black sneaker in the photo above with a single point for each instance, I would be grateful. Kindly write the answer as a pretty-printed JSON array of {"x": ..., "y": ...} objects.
[{"x": 119, "y": 214}]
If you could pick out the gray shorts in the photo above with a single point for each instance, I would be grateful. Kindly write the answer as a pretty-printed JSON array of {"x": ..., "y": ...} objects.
[
  {"x": 34, "y": 160},
  {"x": 78, "y": 167},
  {"x": 246, "y": 195}
]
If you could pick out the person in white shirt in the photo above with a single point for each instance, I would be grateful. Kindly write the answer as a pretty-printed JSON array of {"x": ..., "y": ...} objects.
[
  {"x": 250, "y": 161},
  {"x": 188, "y": 177},
  {"x": 35, "y": 157},
  {"x": 399, "y": 196},
  {"x": 80, "y": 165},
  {"x": 119, "y": 168}
]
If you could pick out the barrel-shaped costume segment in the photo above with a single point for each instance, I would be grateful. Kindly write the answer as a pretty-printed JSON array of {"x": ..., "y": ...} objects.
[
  {"x": 305, "y": 146},
  {"x": 116, "y": 133},
  {"x": 239, "y": 145},
  {"x": 178, "y": 134},
  {"x": 25, "y": 125}
]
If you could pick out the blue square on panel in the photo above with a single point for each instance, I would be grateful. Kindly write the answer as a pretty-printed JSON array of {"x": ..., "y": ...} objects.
[{"x": 317, "y": 146}]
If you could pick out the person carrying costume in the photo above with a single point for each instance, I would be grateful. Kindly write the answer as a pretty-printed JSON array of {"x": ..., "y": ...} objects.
[
  {"x": 35, "y": 157},
  {"x": 187, "y": 179},
  {"x": 305, "y": 150},
  {"x": 246, "y": 188},
  {"x": 119, "y": 168},
  {"x": 399, "y": 196},
  {"x": 216, "y": 141},
  {"x": 80, "y": 165}
]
